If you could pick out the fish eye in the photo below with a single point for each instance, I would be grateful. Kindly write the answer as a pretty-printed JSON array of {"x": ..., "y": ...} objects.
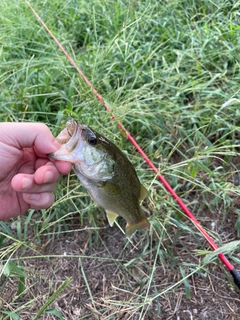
[{"x": 92, "y": 140}]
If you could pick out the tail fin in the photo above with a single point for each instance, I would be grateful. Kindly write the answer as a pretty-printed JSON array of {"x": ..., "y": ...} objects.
[{"x": 131, "y": 228}]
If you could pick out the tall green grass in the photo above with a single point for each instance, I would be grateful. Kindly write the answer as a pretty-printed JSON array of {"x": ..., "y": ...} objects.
[{"x": 166, "y": 68}]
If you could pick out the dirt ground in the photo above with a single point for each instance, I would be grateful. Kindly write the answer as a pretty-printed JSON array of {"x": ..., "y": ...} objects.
[{"x": 110, "y": 277}]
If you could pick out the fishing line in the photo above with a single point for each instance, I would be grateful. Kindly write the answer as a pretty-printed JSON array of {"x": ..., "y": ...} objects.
[{"x": 235, "y": 274}]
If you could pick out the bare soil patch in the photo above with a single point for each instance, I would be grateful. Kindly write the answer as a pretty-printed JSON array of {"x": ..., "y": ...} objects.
[{"x": 110, "y": 277}]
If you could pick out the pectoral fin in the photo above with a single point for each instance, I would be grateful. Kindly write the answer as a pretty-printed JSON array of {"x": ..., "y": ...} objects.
[
  {"x": 111, "y": 217},
  {"x": 143, "y": 193},
  {"x": 110, "y": 188}
]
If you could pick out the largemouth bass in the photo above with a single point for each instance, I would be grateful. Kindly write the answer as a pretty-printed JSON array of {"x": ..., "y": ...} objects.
[{"x": 105, "y": 172}]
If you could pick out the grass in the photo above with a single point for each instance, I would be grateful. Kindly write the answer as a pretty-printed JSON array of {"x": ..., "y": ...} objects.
[{"x": 166, "y": 68}]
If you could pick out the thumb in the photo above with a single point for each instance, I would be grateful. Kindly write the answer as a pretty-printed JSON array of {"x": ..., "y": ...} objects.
[{"x": 26, "y": 135}]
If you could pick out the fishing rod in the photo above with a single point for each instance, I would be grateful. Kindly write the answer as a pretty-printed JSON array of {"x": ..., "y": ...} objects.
[{"x": 234, "y": 272}]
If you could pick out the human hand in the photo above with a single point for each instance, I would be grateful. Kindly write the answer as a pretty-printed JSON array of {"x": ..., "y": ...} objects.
[{"x": 27, "y": 177}]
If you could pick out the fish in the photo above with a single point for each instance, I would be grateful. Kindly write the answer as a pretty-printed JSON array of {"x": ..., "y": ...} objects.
[{"x": 106, "y": 173}]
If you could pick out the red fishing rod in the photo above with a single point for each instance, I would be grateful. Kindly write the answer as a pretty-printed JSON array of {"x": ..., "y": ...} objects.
[{"x": 235, "y": 274}]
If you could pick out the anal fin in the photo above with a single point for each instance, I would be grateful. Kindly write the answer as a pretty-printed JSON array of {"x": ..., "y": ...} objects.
[{"x": 111, "y": 216}]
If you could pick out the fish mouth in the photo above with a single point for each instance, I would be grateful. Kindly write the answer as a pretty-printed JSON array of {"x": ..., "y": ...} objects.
[
  {"x": 69, "y": 138},
  {"x": 71, "y": 129}
]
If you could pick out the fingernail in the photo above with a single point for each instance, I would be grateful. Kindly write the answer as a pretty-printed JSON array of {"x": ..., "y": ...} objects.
[
  {"x": 48, "y": 177},
  {"x": 33, "y": 196},
  {"x": 26, "y": 183}
]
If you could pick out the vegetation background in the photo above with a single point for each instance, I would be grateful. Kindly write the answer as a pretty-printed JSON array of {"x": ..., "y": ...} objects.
[{"x": 166, "y": 68}]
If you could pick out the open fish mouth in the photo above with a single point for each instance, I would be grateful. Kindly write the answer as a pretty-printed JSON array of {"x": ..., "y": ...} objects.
[
  {"x": 68, "y": 138},
  {"x": 70, "y": 131}
]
